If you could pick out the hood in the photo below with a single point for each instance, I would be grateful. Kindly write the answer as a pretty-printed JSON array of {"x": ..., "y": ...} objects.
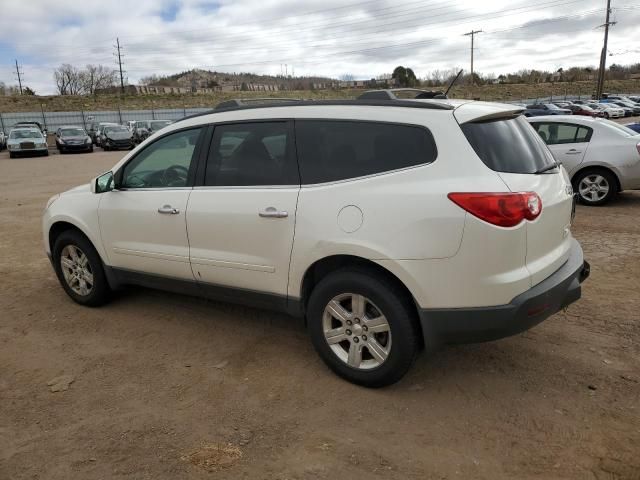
[
  {"x": 79, "y": 189},
  {"x": 118, "y": 135}
]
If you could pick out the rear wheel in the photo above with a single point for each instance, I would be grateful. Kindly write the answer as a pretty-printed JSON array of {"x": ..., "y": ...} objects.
[
  {"x": 363, "y": 327},
  {"x": 79, "y": 269},
  {"x": 595, "y": 187}
]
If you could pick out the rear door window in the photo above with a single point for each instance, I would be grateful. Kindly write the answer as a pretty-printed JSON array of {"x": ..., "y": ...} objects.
[
  {"x": 508, "y": 145},
  {"x": 554, "y": 133},
  {"x": 332, "y": 150}
]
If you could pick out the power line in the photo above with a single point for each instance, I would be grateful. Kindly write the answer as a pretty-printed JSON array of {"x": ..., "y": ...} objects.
[{"x": 472, "y": 34}]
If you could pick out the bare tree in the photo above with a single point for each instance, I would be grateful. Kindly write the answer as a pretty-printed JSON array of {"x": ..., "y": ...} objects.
[
  {"x": 68, "y": 80},
  {"x": 97, "y": 77}
]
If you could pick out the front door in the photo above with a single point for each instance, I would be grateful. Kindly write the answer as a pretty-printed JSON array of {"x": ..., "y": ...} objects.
[
  {"x": 143, "y": 221},
  {"x": 241, "y": 220}
]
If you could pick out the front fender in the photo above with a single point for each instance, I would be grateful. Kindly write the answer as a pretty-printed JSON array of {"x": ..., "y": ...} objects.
[{"x": 79, "y": 209}]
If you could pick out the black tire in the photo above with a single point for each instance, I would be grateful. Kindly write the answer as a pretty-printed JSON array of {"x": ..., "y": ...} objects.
[
  {"x": 100, "y": 292},
  {"x": 91, "y": 149},
  {"x": 12, "y": 155},
  {"x": 390, "y": 301},
  {"x": 606, "y": 115},
  {"x": 593, "y": 174}
]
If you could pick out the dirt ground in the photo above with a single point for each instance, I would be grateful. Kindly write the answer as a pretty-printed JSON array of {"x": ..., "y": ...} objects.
[{"x": 162, "y": 386}]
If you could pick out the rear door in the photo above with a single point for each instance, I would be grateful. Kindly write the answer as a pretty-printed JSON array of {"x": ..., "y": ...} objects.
[
  {"x": 241, "y": 217},
  {"x": 568, "y": 142},
  {"x": 511, "y": 147}
]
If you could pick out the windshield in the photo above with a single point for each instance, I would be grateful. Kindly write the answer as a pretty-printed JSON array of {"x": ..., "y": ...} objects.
[
  {"x": 551, "y": 106},
  {"x": 160, "y": 124},
  {"x": 141, "y": 125},
  {"x": 73, "y": 132},
  {"x": 19, "y": 134},
  {"x": 116, "y": 129},
  {"x": 508, "y": 145}
]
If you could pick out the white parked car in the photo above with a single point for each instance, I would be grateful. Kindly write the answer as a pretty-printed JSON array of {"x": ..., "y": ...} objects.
[
  {"x": 26, "y": 142},
  {"x": 3, "y": 141},
  {"x": 609, "y": 110},
  {"x": 601, "y": 157},
  {"x": 388, "y": 226}
]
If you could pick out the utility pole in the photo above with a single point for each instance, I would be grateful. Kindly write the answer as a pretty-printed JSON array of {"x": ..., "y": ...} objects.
[
  {"x": 472, "y": 34},
  {"x": 603, "y": 54},
  {"x": 19, "y": 76},
  {"x": 118, "y": 48}
]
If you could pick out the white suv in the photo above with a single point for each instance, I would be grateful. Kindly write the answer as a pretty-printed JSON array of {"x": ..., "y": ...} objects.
[{"x": 389, "y": 226}]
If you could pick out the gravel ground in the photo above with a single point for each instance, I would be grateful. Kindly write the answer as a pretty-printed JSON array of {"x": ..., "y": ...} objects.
[{"x": 162, "y": 386}]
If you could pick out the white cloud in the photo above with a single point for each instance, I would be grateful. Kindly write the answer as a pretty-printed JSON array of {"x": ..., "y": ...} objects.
[{"x": 328, "y": 37}]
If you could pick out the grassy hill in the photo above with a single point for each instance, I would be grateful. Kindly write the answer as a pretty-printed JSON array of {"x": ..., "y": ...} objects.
[{"x": 507, "y": 92}]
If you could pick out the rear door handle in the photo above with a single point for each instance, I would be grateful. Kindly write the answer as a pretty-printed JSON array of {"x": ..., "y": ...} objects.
[
  {"x": 273, "y": 212},
  {"x": 168, "y": 210}
]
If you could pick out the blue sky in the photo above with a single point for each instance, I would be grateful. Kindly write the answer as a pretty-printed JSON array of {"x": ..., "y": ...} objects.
[{"x": 363, "y": 38}]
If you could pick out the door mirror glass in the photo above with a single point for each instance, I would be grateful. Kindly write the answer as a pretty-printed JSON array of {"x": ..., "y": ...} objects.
[{"x": 104, "y": 183}]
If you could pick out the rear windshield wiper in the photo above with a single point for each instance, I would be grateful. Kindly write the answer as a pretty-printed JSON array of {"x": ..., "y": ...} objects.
[{"x": 547, "y": 168}]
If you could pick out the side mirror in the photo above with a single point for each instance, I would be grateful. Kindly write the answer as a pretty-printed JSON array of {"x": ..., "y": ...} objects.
[{"x": 103, "y": 183}]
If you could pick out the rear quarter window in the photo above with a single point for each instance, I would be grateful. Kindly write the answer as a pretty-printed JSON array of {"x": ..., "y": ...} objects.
[
  {"x": 331, "y": 150},
  {"x": 508, "y": 145}
]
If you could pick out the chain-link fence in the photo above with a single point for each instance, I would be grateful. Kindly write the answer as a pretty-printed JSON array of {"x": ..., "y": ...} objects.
[{"x": 53, "y": 120}]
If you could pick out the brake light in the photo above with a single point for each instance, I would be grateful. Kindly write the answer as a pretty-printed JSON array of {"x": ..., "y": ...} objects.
[
  {"x": 638, "y": 147},
  {"x": 501, "y": 209}
]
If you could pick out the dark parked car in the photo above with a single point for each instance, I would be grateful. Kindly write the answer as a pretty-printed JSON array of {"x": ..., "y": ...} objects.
[
  {"x": 585, "y": 110},
  {"x": 634, "y": 126},
  {"x": 115, "y": 137},
  {"x": 539, "y": 109},
  {"x": 142, "y": 129},
  {"x": 95, "y": 129},
  {"x": 73, "y": 139}
]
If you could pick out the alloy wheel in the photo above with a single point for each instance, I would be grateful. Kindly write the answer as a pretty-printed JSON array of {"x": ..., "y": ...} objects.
[
  {"x": 76, "y": 270},
  {"x": 593, "y": 188},
  {"x": 357, "y": 331}
]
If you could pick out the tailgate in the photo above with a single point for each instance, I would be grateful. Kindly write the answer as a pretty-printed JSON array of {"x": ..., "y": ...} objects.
[
  {"x": 548, "y": 236},
  {"x": 509, "y": 146}
]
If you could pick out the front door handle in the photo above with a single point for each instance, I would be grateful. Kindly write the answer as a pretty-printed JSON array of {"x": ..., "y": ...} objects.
[
  {"x": 273, "y": 212},
  {"x": 573, "y": 151},
  {"x": 169, "y": 210}
]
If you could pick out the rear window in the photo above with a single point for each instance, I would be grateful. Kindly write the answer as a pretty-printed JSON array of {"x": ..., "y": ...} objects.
[
  {"x": 508, "y": 145},
  {"x": 336, "y": 150}
]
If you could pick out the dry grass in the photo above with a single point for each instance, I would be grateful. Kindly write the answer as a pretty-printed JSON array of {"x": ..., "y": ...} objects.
[
  {"x": 213, "y": 456},
  {"x": 512, "y": 92}
]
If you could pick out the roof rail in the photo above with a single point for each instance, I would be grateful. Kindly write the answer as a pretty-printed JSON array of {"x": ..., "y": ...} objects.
[
  {"x": 244, "y": 102},
  {"x": 228, "y": 106},
  {"x": 390, "y": 94}
]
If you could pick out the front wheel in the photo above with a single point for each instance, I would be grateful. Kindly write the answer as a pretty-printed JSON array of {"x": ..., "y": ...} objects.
[
  {"x": 79, "y": 269},
  {"x": 363, "y": 327},
  {"x": 595, "y": 187}
]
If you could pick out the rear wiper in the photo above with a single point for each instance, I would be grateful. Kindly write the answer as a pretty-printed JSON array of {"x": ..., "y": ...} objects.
[{"x": 547, "y": 168}]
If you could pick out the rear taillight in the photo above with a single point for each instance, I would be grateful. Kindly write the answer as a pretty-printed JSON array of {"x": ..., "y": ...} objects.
[
  {"x": 638, "y": 147},
  {"x": 502, "y": 209}
]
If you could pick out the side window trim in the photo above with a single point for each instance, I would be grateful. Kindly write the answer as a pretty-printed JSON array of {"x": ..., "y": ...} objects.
[{"x": 192, "y": 167}]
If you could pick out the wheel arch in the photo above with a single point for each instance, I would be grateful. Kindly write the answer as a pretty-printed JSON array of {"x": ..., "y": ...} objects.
[
  {"x": 60, "y": 226},
  {"x": 324, "y": 266}
]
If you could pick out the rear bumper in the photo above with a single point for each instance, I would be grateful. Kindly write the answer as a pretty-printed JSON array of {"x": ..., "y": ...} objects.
[{"x": 466, "y": 325}]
